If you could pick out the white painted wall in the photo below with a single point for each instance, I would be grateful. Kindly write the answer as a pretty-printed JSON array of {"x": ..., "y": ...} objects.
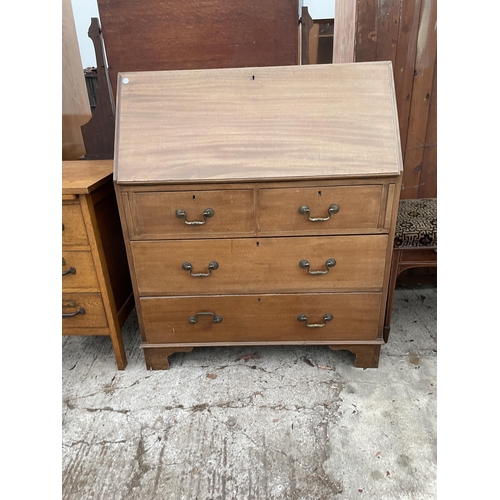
[{"x": 84, "y": 10}]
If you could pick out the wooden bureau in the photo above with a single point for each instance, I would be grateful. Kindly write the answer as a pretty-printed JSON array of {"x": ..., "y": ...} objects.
[
  {"x": 96, "y": 286},
  {"x": 258, "y": 205}
]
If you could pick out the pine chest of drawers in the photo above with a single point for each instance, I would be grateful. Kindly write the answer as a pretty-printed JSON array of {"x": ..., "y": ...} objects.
[
  {"x": 96, "y": 286},
  {"x": 258, "y": 205}
]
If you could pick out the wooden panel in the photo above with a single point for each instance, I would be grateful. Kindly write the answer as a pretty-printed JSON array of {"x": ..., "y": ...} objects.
[
  {"x": 260, "y": 265},
  {"x": 267, "y": 137},
  {"x": 405, "y": 33},
  {"x": 75, "y": 101},
  {"x": 249, "y": 318},
  {"x": 366, "y": 31},
  {"x": 84, "y": 176},
  {"x": 147, "y": 35},
  {"x": 94, "y": 311},
  {"x": 420, "y": 100},
  {"x": 154, "y": 213},
  {"x": 359, "y": 207},
  {"x": 344, "y": 33},
  {"x": 428, "y": 176},
  {"x": 84, "y": 276},
  {"x": 74, "y": 232},
  {"x": 404, "y": 67}
]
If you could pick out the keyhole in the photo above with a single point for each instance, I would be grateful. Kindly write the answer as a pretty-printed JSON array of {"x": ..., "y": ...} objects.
[
  {"x": 257, "y": 244},
  {"x": 319, "y": 193},
  {"x": 194, "y": 197},
  {"x": 253, "y": 77},
  {"x": 259, "y": 300}
]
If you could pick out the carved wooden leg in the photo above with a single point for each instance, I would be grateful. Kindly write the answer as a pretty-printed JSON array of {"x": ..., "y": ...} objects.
[
  {"x": 367, "y": 356},
  {"x": 157, "y": 357}
]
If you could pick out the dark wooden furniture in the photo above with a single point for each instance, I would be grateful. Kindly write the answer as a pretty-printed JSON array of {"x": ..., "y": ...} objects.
[
  {"x": 258, "y": 205},
  {"x": 96, "y": 286},
  {"x": 415, "y": 244},
  {"x": 147, "y": 35}
]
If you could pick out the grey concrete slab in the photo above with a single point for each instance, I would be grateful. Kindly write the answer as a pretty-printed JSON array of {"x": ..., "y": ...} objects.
[{"x": 254, "y": 422}]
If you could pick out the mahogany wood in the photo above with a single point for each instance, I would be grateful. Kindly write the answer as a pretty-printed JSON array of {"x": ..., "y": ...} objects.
[
  {"x": 257, "y": 235},
  {"x": 263, "y": 265},
  {"x": 268, "y": 136},
  {"x": 257, "y": 318},
  {"x": 148, "y": 35}
]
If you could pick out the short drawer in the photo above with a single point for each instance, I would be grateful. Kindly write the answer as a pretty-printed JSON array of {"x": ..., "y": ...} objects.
[
  {"x": 255, "y": 318},
  {"x": 191, "y": 214},
  {"x": 83, "y": 310},
  {"x": 73, "y": 226},
  {"x": 320, "y": 210},
  {"x": 78, "y": 271},
  {"x": 260, "y": 265}
]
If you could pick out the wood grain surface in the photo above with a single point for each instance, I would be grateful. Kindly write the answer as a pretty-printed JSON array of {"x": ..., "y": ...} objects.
[
  {"x": 149, "y": 35},
  {"x": 249, "y": 265},
  {"x": 84, "y": 176},
  {"x": 249, "y": 318},
  {"x": 237, "y": 124}
]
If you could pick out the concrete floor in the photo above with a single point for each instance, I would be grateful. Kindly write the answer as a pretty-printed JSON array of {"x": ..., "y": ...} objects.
[{"x": 255, "y": 423}]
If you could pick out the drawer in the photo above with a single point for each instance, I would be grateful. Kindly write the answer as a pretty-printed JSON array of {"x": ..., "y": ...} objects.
[
  {"x": 342, "y": 208},
  {"x": 256, "y": 318},
  {"x": 73, "y": 232},
  {"x": 260, "y": 265},
  {"x": 78, "y": 270},
  {"x": 191, "y": 214},
  {"x": 74, "y": 304}
]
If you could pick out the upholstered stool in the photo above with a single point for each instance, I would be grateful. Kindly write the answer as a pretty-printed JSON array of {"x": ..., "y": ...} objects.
[{"x": 415, "y": 244}]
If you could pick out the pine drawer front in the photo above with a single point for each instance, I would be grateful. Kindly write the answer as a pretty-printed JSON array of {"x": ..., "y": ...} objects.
[
  {"x": 332, "y": 209},
  {"x": 78, "y": 271},
  {"x": 260, "y": 318},
  {"x": 83, "y": 310},
  {"x": 73, "y": 227},
  {"x": 192, "y": 214},
  {"x": 260, "y": 265}
]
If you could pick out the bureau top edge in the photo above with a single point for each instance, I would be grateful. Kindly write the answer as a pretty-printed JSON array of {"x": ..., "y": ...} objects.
[{"x": 264, "y": 180}]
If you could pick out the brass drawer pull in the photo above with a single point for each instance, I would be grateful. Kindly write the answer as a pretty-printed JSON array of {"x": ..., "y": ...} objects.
[
  {"x": 326, "y": 317},
  {"x": 211, "y": 267},
  {"x": 181, "y": 214},
  {"x": 304, "y": 264},
  {"x": 305, "y": 210},
  {"x": 71, "y": 270},
  {"x": 80, "y": 310},
  {"x": 194, "y": 319}
]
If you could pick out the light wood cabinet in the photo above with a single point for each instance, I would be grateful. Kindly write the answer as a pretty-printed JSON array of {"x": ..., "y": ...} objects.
[
  {"x": 258, "y": 205},
  {"x": 97, "y": 290}
]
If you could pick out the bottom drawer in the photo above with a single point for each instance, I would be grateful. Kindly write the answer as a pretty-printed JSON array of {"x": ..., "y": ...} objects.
[
  {"x": 83, "y": 310},
  {"x": 255, "y": 318}
]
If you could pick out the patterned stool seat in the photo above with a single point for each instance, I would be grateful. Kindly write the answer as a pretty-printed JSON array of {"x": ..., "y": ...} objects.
[{"x": 416, "y": 225}]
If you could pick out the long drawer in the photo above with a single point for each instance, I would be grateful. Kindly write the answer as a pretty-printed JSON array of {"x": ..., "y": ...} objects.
[
  {"x": 247, "y": 318},
  {"x": 81, "y": 310},
  {"x": 78, "y": 271},
  {"x": 259, "y": 265}
]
